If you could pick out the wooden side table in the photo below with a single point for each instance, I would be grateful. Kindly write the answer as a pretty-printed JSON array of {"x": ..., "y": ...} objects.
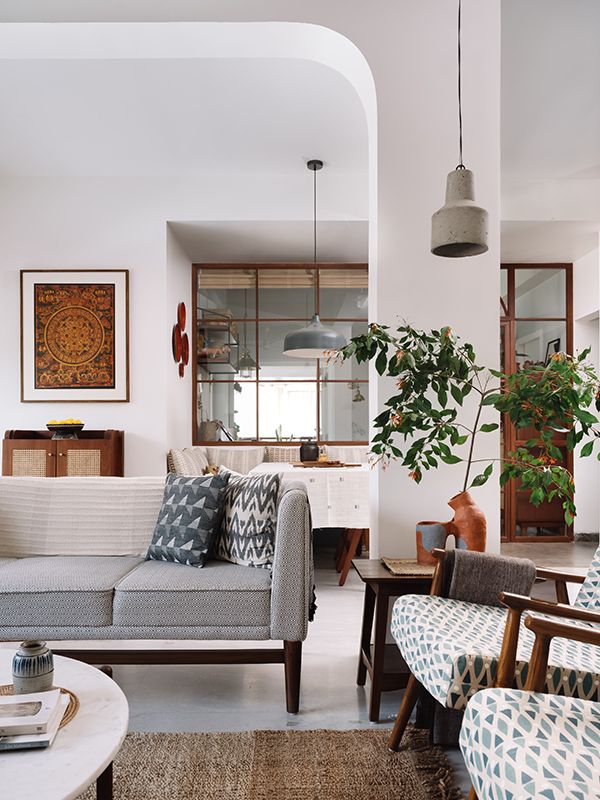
[{"x": 384, "y": 663}]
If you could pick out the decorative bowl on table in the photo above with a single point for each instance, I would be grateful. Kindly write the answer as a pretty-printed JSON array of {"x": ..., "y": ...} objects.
[{"x": 65, "y": 429}]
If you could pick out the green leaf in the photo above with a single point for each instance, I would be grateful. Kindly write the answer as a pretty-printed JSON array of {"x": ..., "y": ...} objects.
[
  {"x": 491, "y": 399},
  {"x": 442, "y": 397},
  {"x": 456, "y": 394},
  {"x": 381, "y": 362},
  {"x": 488, "y": 470},
  {"x": 479, "y": 480},
  {"x": 450, "y": 459},
  {"x": 537, "y": 496},
  {"x": 461, "y": 439},
  {"x": 587, "y": 448},
  {"x": 489, "y": 427}
]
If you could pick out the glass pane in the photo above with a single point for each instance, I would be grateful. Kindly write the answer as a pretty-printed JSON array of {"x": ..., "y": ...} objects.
[
  {"x": 229, "y": 292},
  {"x": 343, "y": 293},
  {"x": 345, "y": 412},
  {"x": 226, "y": 411},
  {"x": 287, "y": 410},
  {"x": 334, "y": 369},
  {"x": 218, "y": 345},
  {"x": 272, "y": 361},
  {"x": 503, "y": 292},
  {"x": 540, "y": 293},
  {"x": 285, "y": 293},
  {"x": 537, "y": 341}
]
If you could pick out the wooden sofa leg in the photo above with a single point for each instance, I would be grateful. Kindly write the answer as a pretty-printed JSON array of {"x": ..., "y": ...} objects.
[
  {"x": 293, "y": 661},
  {"x": 411, "y": 695},
  {"x": 472, "y": 794}
]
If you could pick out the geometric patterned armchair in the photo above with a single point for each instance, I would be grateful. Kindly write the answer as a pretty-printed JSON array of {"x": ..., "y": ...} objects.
[
  {"x": 525, "y": 744},
  {"x": 455, "y": 647}
]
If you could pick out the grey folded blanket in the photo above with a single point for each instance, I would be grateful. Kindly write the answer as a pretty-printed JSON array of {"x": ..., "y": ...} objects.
[{"x": 480, "y": 577}]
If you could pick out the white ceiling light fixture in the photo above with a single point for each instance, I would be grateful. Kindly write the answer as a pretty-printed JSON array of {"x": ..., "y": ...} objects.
[
  {"x": 460, "y": 227},
  {"x": 316, "y": 340}
]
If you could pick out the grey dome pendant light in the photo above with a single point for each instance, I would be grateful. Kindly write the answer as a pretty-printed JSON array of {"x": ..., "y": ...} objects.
[
  {"x": 460, "y": 227},
  {"x": 316, "y": 339}
]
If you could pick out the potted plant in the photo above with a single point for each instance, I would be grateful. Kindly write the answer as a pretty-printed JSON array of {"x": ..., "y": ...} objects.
[{"x": 428, "y": 419}]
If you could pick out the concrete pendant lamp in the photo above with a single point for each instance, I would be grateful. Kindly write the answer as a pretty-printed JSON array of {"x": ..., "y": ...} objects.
[
  {"x": 316, "y": 339},
  {"x": 460, "y": 227}
]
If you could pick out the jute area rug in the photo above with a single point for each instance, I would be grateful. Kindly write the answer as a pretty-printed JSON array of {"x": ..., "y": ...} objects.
[{"x": 280, "y": 765}]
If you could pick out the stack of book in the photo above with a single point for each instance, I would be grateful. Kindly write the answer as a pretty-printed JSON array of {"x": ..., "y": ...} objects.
[{"x": 31, "y": 720}]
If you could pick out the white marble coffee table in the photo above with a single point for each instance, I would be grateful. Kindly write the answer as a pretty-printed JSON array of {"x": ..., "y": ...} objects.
[{"x": 82, "y": 751}]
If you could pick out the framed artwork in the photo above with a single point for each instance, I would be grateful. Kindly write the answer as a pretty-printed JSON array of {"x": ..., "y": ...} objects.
[
  {"x": 75, "y": 336},
  {"x": 552, "y": 347}
]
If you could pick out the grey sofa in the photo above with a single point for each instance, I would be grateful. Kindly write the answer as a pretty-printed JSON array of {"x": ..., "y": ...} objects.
[{"x": 72, "y": 567}]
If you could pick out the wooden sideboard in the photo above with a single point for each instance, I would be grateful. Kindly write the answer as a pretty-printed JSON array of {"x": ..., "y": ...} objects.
[{"x": 37, "y": 454}]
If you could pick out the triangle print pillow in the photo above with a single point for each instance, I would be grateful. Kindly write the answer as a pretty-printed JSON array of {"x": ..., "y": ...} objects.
[{"x": 188, "y": 519}]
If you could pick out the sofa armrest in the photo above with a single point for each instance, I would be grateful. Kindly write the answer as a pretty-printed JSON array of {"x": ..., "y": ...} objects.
[{"x": 292, "y": 582}]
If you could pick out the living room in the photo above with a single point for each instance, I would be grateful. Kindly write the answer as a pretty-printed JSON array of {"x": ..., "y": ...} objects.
[{"x": 221, "y": 207}]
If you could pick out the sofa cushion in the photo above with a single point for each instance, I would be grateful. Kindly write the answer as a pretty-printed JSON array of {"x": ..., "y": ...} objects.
[
  {"x": 61, "y": 590},
  {"x": 280, "y": 454},
  {"x": 239, "y": 459},
  {"x": 161, "y": 594},
  {"x": 78, "y": 516},
  {"x": 188, "y": 519},
  {"x": 247, "y": 534},
  {"x": 189, "y": 461}
]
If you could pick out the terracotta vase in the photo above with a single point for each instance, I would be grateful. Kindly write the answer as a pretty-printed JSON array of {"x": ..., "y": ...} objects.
[{"x": 468, "y": 525}]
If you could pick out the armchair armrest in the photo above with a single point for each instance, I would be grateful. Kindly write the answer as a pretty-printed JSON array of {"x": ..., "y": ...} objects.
[
  {"x": 517, "y": 605},
  {"x": 560, "y": 579},
  {"x": 555, "y": 575},
  {"x": 292, "y": 577},
  {"x": 545, "y": 630}
]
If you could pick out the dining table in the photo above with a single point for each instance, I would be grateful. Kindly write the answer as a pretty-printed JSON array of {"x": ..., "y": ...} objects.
[{"x": 338, "y": 497}]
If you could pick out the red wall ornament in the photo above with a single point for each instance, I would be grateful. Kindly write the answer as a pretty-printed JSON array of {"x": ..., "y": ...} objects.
[{"x": 180, "y": 344}]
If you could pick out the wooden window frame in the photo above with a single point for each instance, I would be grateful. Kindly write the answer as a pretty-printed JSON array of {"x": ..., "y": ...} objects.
[
  {"x": 317, "y": 381},
  {"x": 509, "y": 322}
]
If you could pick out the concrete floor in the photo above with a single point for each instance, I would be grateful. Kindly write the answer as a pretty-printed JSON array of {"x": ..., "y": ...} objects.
[{"x": 243, "y": 697}]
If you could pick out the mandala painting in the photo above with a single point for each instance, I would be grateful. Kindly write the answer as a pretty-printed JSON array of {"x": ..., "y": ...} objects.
[{"x": 74, "y": 336}]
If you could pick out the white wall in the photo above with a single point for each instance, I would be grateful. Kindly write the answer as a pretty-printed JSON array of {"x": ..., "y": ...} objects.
[
  {"x": 122, "y": 222},
  {"x": 179, "y": 390},
  {"x": 411, "y": 51},
  {"x": 586, "y": 302}
]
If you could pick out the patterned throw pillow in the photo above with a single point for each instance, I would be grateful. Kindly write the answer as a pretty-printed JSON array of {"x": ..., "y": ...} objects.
[
  {"x": 247, "y": 534},
  {"x": 282, "y": 455},
  {"x": 188, "y": 519}
]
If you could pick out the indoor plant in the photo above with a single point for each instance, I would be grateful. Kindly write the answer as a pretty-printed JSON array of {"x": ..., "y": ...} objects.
[{"x": 427, "y": 420}]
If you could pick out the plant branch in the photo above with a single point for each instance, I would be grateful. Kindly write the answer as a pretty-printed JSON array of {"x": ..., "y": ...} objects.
[{"x": 471, "y": 448}]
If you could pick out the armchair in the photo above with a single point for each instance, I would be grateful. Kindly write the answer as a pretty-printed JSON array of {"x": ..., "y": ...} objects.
[
  {"x": 454, "y": 647},
  {"x": 527, "y": 744}
]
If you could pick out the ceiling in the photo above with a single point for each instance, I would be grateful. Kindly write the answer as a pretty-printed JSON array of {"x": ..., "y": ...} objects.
[
  {"x": 273, "y": 241},
  {"x": 550, "y": 88},
  {"x": 177, "y": 118}
]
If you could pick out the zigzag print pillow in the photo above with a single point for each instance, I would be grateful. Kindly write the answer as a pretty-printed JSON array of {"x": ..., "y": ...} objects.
[{"x": 247, "y": 534}]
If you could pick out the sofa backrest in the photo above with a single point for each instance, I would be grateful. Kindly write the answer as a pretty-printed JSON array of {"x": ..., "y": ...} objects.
[
  {"x": 238, "y": 459},
  {"x": 78, "y": 516}
]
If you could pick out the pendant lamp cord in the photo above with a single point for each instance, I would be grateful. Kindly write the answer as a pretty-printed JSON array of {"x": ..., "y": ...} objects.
[
  {"x": 315, "y": 232},
  {"x": 315, "y": 216},
  {"x": 460, "y": 124}
]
